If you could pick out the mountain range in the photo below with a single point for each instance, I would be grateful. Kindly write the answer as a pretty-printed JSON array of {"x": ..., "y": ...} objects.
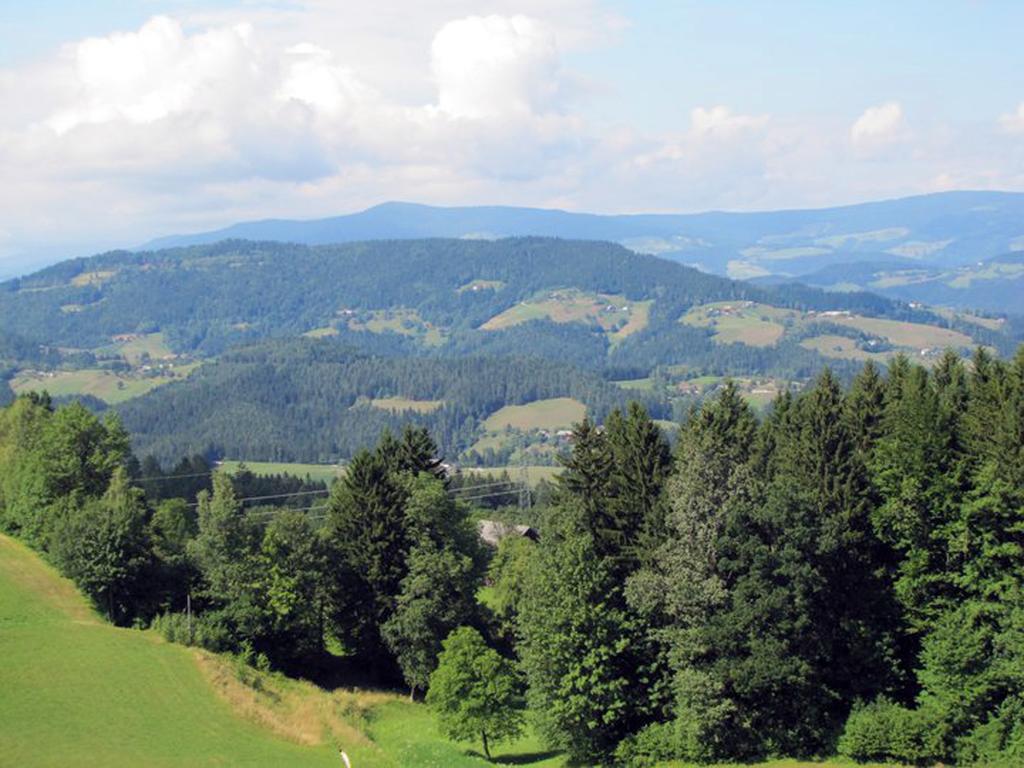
[{"x": 959, "y": 249}]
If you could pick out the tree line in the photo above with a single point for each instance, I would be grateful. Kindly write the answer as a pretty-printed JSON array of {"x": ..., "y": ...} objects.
[{"x": 843, "y": 575}]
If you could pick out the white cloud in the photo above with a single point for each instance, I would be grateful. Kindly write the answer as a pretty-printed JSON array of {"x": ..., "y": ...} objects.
[
  {"x": 879, "y": 125},
  {"x": 721, "y": 122},
  {"x": 1013, "y": 122},
  {"x": 294, "y": 109},
  {"x": 157, "y": 72},
  {"x": 492, "y": 66}
]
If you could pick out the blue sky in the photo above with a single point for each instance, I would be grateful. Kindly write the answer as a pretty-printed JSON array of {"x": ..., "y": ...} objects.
[{"x": 127, "y": 120}]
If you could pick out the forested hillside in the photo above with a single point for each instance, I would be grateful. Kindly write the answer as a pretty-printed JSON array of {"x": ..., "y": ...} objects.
[
  {"x": 206, "y": 298},
  {"x": 320, "y": 401},
  {"x": 594, "y": 305}
]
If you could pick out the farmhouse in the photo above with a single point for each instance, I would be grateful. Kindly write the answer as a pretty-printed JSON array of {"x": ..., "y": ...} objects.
[{"x": 492, "y": 532}]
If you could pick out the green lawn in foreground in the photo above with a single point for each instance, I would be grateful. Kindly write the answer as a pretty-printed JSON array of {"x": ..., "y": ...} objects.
[{"x": 75, "y": 691}]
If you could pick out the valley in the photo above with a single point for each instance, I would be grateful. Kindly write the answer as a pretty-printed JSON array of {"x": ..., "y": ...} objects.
[{"x": 186, "y": 343}]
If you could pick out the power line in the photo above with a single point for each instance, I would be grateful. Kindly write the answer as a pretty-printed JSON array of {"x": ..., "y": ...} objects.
[
  {"x": 171, "y": 477},
  {"x": 472, "y": 488}
]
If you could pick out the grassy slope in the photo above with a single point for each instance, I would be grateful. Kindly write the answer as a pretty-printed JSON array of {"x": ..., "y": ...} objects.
[
  {"x": 110, "y": 387},
  {"x": 76, "y": 691},
  {"x": 554, "y": 413}
]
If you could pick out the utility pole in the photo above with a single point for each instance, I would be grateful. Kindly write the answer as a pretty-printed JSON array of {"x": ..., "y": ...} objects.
[
  {"x": 524, "y": 484},
  {"x": 188, "y": 611}
]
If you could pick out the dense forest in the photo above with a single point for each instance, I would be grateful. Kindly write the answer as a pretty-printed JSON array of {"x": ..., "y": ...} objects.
[
  {"x": 842, "y": 575},
  {"x": 309, "y": 400}
]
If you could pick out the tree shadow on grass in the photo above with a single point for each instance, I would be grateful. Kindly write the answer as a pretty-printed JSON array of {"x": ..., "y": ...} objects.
[
  {"x": 523, "y": 758},
  {"x": 527, "y": 758}
]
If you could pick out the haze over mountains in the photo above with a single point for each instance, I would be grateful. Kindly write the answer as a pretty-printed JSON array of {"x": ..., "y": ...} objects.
[{"x": 953, "y": 248}]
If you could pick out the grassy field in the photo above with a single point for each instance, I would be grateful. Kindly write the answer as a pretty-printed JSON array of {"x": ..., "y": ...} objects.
[
  {"x": 910, "y": 335},
  {"x": 840, "y": 347},
  {"x": 534, "y": 473},
  {"x": 637, "y": 385},
  {"x": 992, "y": 323},
  {"x": 400, "y": 404},
  {"x": 616, "y": 315},
  {"x": 77, "y": 692},
  {"x": 556, "y": 413},
  {"x": 151, "y": 344},
  {"x": 406, "y": 322},
  {"x": 321, "y": 333},
  {"x": 756, "y": 325},
  {"x": 97, "y": 277},
  {"x": 106, "y": 385},
  {"x": 760, "y": 325},
  {"x": 325, "y": 472}
]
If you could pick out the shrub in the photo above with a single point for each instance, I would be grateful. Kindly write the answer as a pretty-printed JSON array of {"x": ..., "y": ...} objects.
[
  {"x": 884, "y": 731},
  {"x": 656, "y": 744},
  {"x": 208, "y": 631}
]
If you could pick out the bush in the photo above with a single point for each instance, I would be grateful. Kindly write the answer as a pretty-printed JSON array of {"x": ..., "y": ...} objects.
[
  {"x": 208, "y": 631},
  {"x": 883, "y": 731},
  {"x": 656, "y": 744}
]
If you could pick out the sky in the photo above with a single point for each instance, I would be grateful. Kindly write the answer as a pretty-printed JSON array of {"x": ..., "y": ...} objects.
[{"x": 128, "y": 120}]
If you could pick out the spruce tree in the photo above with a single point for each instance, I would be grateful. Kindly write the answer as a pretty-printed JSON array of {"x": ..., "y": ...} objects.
[
  {"x": 641, "y": 460},
  {"x": 682, "y": 586}
]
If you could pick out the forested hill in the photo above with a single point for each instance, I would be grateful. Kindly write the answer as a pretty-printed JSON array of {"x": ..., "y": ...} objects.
[
  {"x": 311, "y": 400},
  {"x": 925, "y": 248},
  {"x": 449, "y": 297}
]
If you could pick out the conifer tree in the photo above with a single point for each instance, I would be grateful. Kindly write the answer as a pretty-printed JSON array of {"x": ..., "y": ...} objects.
[
  {"x": 641, "y": 460},
  {"x": 683, "y": 585},
  {"x": 369, "y": 544}
]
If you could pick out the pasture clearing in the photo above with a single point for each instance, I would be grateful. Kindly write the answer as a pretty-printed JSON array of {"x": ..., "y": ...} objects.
[
  {"x": 616, "y": 315},
  {"x": 840, "y": 348},
  {"x": 135, "y": 349},
  {"x": 744, "y": 322},
  {"x": 405, "y": 322},
  {"x": 323, "y": 472},
  {"x": 321, "y": 333},
  {"x": 402, "y": 404},
  {"x": 912, "y": 336},
  {"x": 96, "y": 277},
  {"x": 108, "y": 386},
  {"x": 553, "y": 414}
]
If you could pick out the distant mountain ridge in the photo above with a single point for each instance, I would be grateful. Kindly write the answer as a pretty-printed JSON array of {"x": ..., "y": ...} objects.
[{"x": 938, "y": 231}]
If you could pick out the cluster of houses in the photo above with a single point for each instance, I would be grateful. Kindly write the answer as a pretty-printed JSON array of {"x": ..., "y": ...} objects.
[{"x": 729, "y": 310}]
